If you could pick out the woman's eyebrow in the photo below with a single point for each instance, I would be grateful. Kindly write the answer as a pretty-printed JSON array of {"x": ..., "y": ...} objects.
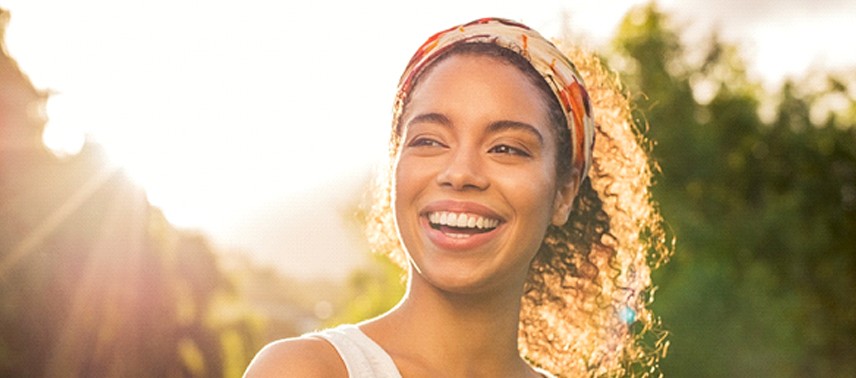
[
  {"x": 505, "y": 125},
  {"x": 430, "y": 118},
  {"x": 494, "y": 127}
]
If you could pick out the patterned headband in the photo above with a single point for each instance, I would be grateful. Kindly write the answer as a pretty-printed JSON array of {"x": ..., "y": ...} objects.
[{"x": 556, "y": 69}]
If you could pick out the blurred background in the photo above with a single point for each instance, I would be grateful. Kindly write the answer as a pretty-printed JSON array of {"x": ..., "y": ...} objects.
[{"x": 182, "y": 182}]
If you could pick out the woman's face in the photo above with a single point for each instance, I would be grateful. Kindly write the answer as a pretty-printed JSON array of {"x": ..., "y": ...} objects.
[{"x": 475, "y": 176}]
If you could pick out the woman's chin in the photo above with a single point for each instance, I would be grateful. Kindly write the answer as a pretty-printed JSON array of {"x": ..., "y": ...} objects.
[{"x": 459, "y": 280}]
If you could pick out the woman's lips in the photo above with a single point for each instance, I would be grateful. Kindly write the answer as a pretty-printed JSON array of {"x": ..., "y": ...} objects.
[{"x": 453, "y": 225}]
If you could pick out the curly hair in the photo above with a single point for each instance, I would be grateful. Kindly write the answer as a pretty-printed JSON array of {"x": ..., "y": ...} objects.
[{"x": 585, "y": 309}]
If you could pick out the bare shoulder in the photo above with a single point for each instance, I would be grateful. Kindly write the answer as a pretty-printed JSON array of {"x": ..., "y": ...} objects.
[{"x": 297, "y": 357}]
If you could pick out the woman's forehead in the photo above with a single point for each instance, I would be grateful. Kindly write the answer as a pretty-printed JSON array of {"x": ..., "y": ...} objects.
[{"x": 477, "y": 83}]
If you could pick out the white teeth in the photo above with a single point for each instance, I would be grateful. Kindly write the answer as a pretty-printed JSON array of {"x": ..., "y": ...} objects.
[{"x": 462, "y": 220}]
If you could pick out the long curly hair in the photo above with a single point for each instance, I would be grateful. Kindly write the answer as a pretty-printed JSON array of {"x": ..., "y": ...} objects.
[{"x": 585, "y": 309}]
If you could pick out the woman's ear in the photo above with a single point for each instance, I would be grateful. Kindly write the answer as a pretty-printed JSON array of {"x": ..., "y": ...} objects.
[{"x": 564, "y": 202}]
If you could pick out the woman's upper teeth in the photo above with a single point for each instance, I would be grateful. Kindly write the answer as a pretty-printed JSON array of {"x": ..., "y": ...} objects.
[{"x": 461, "y": 220}]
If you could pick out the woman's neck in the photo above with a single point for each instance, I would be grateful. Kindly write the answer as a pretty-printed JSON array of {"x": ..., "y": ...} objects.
[{"x": 469, "y": 334}]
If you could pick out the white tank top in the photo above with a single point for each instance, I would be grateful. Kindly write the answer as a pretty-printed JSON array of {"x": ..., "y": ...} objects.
[{"x": 363, "y": 357}]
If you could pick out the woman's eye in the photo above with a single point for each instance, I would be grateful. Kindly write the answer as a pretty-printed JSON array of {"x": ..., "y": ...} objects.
[
  {"x": 508, "y": 150},
  {"x": 424, "y": 142}
]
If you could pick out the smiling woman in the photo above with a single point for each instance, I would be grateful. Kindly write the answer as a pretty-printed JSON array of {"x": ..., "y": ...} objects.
[{"x": 522, "y": 261}]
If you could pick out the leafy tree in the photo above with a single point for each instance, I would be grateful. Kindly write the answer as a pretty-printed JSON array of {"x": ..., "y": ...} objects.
[{"x": 762, "y": 281}]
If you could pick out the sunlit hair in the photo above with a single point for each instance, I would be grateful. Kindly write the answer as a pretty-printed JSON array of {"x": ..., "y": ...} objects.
[{"x": 585, "y": 311}]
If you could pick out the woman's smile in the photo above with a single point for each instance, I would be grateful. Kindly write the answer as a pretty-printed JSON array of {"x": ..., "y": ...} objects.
[{"x": 459, "y": 226}]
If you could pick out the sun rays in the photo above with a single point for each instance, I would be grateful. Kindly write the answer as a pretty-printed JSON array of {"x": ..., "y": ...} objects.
[{"x": 49, "y": 224}]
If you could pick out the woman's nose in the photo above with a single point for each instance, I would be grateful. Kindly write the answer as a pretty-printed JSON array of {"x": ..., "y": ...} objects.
[{"x": 463, "y": 171}]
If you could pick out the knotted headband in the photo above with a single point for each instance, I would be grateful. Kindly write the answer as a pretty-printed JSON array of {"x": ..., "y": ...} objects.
[{"x": 556, "y": 69}]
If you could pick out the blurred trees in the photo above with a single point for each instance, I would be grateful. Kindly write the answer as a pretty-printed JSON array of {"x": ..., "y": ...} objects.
[
  {"x": 763, "y": 281},
  {"x": 371, "y": 291},
  {"x": 93, "y": 280}
]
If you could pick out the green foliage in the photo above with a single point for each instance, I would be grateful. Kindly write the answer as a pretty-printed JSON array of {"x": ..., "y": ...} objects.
[
  {"x": 372, "y": 291},
  {"x": 764, "y": 276},
  {"x": 376, "y": 288}
]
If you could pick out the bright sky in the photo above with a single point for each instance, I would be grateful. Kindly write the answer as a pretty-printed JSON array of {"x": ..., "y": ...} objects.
[{"x": 222, "y": 108}]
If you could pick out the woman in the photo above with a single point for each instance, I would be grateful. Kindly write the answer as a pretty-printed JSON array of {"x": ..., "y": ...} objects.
[{"x": 521, "y": 259}]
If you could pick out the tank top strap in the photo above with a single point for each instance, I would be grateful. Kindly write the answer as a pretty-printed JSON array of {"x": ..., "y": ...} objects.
[{"x": 363, "y": 357}]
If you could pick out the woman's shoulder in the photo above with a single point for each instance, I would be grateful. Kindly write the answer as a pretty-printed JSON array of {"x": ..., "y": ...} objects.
[{"x": 297, "y": 357}]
